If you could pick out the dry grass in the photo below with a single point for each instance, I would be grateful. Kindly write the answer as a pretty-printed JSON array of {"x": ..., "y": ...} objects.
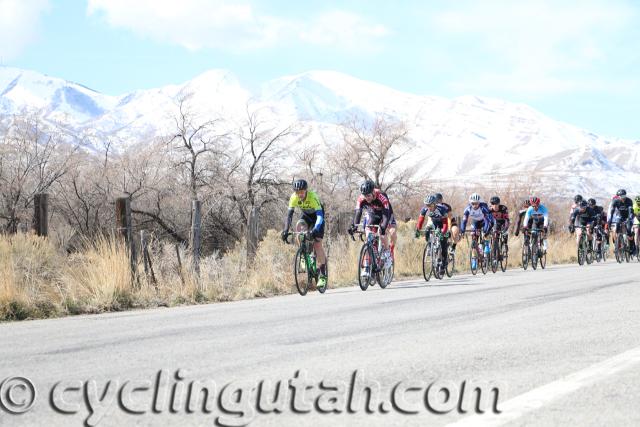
[{"x": 37, "y": 280}]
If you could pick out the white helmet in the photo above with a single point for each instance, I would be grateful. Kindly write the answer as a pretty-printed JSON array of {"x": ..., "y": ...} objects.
[{"x": 474, "y": 198}]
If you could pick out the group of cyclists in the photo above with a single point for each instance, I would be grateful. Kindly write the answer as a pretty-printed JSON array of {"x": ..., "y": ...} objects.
[
  {"x": 622, "y": 217},
  {"x": 478, "y": 217}
]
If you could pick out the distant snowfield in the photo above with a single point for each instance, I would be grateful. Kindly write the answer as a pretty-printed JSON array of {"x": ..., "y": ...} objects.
[{"x": 462, "y": 140}]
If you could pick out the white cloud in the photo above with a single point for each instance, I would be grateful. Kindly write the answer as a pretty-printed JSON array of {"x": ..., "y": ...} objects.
[
  {"x": 230, "y": 25},
  {"x": 19, "y": 24},
  {"x": 537, "y": 48}
]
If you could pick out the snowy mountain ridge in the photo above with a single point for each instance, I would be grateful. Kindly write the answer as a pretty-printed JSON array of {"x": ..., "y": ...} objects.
[{"x": 468, "y": 139}]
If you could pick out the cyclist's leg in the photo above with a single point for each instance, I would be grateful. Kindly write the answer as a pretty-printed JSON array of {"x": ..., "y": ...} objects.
[
  {"x": 578, "y": 234},
  {"x": 455, "y": 233},
  {"x": 393, "y": 235}
]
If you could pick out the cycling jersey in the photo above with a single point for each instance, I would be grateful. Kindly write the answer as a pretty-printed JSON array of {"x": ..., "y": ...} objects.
[
  {"x": 636, "y": 209},
  {"x": 378, "y": 210},
  {"x": 541, "y": 215},
  {"x": 439, "y": 217},
  {"x": 589, "y": 216},
  {"x": 501, "y": 216},
  {"x": 601, "y": 213},
  {"x": 620, "y": 210},
  {"x": 312, "y": 211},
  {"x": 478, "y": 215},
  {"x": 521, "y": 214}
]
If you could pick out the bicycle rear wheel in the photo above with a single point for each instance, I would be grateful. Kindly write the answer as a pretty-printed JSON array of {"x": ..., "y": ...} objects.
[
  {"x": 437, "y": 261},
  {"x": 301, "y": 272},
  {"x": 451, "y": 264}
]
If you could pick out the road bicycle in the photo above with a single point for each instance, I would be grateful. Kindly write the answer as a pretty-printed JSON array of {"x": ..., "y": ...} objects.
[
  {"x": 600, "y": 247},
  {"x": 479, "y": 254},
  {"x": 621, "y": 245},
  {"x": 585, "y": 249},
  {"x": 305, "y": 270},
  {"x": 434, "y": 261},
  {"x": 532, "y": 249},
  {"x": 499, "y": 251},
  {"x": 374, "y": 263}
]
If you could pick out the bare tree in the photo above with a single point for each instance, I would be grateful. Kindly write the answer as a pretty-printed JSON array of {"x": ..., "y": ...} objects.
[
  {"x": 33, "y": 156},
  {"x": 373, "y": 150},
  {"x": 253, "y": 175},
  {"x": 195, "y": 139}
]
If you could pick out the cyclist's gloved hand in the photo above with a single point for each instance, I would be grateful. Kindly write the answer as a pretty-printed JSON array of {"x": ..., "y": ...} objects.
[
  {"x": 545, "y": 229},
  {"x": 417, "y": 234},
  {"x": 383, "y": 230},
  {"x": 285, "y": 235},
  {"x": 315, "y": 232},
  {"x": 352, "y": 229},
  {"x": 572, "y": 228}
]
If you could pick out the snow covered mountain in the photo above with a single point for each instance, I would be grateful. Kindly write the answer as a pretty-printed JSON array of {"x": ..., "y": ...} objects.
[{"x": 463, "y": 140}]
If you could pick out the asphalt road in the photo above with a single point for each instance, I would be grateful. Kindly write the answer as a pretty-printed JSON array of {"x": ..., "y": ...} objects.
[{"x": 561, "y": 345}]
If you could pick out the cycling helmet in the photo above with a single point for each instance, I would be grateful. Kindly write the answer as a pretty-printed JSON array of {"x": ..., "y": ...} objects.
[
  {"x": 583, "y": 204},
  {"x": 431, "y": 199},
  {"x": 438, "y": 197},
  {"x": 621, "y": 192},
  {"x": 638, "y": 200},
  {"x": 592, "y": 202},
  {"x": 527, "y": 203},
  {"x": 299, "y": 184},
  {"x": 495, "y": 200},
  {"x": 535, "y": 201},
  {"x": 474, "y": 198},
  {"x": 367, "y": 187},
  {"x": 578, "y": 198}
]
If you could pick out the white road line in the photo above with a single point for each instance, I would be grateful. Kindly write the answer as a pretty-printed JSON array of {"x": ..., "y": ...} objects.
[{"x": 535, "y": 399}]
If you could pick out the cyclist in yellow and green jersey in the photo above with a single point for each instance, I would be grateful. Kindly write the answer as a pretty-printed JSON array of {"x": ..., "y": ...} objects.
[{"x": 313, "y": 216}]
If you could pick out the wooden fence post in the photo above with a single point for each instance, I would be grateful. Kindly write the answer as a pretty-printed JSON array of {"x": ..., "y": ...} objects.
[
  {"x": 253, "y": 229},
  {"x": 41, "y": 214},
  {"x": 146, "y": 259},
  {"x": 124, "y": 227},
  {"x": 195, "y": 235}
]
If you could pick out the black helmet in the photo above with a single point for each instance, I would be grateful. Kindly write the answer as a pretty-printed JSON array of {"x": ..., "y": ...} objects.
[
  {"x": 431, "y": 199},
  {"x": 299, "y": 184},
  {"x": 527, "y": 202},
  {"x": 367, "y": 187},
  {"x": 577, "y": 198},
  {"x": 438, "y": 197},
  {"x": 621, "y": 192},
  {"x": 583, "y": 204},
  {"x": 592, "y": 202},
  {"x": 495, "y": 200}
]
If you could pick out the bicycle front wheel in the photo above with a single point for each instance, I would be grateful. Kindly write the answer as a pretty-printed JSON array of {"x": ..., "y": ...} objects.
[
  {"x": 427, "y": 262},
  {"x": 581, "y": 251},
  {"x": 364, "y": 268},
  {"x": 301, "y": 272},
  {"x": 526, "y": 254},
  {"x": 474, "y": 258},
  {"x": 534, "y": 253},
  {"x": 504, "y": 255}
]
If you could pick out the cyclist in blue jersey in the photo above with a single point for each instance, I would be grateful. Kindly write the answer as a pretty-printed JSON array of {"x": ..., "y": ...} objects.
[
  {"x": 479, "y": 215},
  {"x": 537, "y": 215}
]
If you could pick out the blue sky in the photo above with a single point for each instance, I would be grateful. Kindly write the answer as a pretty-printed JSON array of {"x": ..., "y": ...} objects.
[{"x": 576, "y": 61}]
